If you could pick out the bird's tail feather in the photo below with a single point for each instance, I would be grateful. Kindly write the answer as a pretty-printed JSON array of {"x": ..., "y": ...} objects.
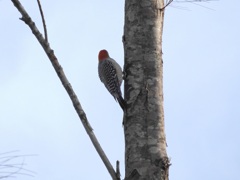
[{"x": 122, "y": 103}]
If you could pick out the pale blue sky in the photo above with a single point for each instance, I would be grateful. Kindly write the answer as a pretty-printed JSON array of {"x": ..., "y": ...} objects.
[{"x": 201, "y": 89}]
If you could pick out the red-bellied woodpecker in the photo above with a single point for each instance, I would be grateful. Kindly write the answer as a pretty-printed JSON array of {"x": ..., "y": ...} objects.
[{"x": 110, "y": 73}]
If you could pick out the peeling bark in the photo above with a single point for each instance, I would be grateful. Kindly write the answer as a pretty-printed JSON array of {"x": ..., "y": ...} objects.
[{"x": 145, "y": 142}]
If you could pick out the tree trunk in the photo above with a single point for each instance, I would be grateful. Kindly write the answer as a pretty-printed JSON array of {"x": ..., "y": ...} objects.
[{"x": 145, "y": 143}]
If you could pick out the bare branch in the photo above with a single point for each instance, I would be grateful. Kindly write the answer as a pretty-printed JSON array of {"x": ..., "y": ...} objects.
[
  {"x": 27, "y": 19},
  {"x": 43, "y": 20},
  {"x": 10, "y": 166}
]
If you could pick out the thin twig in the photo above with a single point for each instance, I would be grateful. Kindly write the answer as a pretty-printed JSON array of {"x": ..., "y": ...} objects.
[
  {"x": 43, "y": 20},
  {"x": 168, "y": 3},
  {"x": 10, "y": 166},
  {"x": 26, "y": 18},
  {"x": 196, "y": 2},
  {"x": 186, "y": 1},
  {"x": 202, "y": 6}
]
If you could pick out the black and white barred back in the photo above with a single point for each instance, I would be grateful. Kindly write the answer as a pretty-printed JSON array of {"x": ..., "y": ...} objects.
[{"x": 110, "y": 73}]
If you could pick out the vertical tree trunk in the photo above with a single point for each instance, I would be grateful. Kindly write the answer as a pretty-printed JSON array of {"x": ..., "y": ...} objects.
[{"x": 145, "y": 143}]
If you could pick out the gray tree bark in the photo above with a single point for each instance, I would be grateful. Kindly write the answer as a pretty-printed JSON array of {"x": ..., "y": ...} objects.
[{"x": 145, "y": 142}]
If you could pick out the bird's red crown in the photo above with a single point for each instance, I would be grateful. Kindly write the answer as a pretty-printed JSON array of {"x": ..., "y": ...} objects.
[{"x": 103, "y": 54}]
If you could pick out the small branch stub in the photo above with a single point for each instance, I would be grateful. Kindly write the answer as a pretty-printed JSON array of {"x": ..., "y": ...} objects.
[{"x": 118, "y": 170}]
